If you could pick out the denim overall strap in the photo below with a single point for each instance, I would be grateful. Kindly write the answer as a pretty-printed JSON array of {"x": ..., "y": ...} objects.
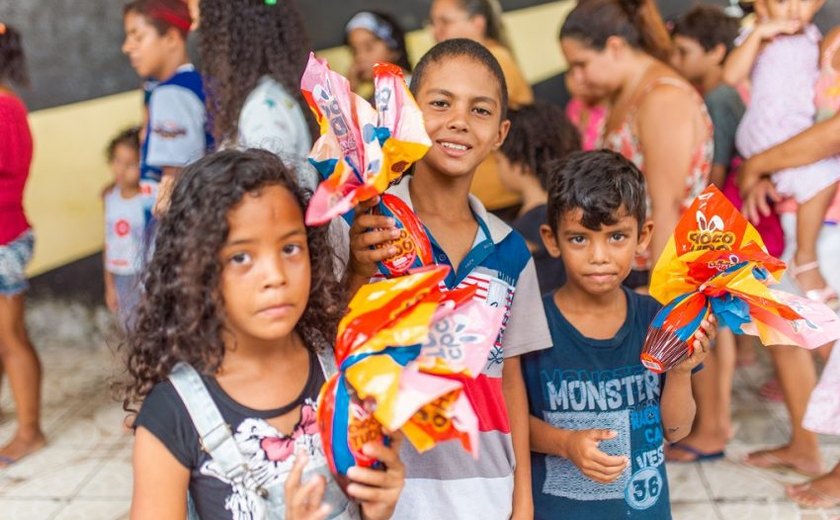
[{"x": 214, "y": 433}]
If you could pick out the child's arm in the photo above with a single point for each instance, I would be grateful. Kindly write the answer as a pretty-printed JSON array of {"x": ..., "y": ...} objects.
[
  {"x": 368, "y": 230},
  {"x": 580, "y": 447},
  {"x": 677, "y": 402},
  {"x": 111, "y": 299},
  {"x": 740, "y": 61},
  {"x": 160, "y": 481},
  {"x": 516, "y": 400}
]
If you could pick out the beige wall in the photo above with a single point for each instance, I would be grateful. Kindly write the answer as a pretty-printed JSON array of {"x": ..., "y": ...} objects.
[{"x": 69, "y": 170}]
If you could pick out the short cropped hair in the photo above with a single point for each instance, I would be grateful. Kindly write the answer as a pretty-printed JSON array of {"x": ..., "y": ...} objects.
[
  {"x": 456, "y": 48},
  {"x": 709, "y": 26},
  {"x": 600, "y": 183}
]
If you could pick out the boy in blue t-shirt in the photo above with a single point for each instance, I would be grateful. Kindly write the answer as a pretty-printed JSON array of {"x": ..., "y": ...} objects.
[{"x": 598, "y": 417}]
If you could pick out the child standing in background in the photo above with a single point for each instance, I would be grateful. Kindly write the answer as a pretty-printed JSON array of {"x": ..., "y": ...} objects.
[
  {"x": 253, "y": 54},
  {"x": 781, "y": 57},
  {"x": 598, "y": 417},
  {"x": 176, "y": 132},
  {"x": 125, "y": 223},
  {"x": 539, "y": 135}
]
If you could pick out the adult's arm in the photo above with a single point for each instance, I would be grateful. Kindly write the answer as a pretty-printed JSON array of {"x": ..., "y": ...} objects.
[
  {"x": 816, "y": 143},
  {"x": 666, "y": 124}
]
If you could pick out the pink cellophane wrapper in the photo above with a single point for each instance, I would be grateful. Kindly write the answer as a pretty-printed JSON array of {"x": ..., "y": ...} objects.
[{"x": 362, "y": 149}]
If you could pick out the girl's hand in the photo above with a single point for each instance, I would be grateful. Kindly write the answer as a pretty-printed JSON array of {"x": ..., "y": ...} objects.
[
  {"x": 756, "y": 203},
  {"x": 772, "y": 28},
  {"x": 378, "y": 491},
  {"x": 304, "y": 501},
  {"x": 702, "y": 343},
  {"x": 370, "y": 230}
]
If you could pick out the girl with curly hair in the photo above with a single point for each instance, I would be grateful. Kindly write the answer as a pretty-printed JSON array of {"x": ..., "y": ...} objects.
[
  {"x": 229, "y": 351},
  {"x": 253, "y": 53},
  {"x": 17, "y": 356}
]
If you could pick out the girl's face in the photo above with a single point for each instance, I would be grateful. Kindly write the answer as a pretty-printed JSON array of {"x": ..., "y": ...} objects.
[
  {"x": 368, "y": 50},
  {"x": 594, "y": 71},
  {"x": 449, "y": 20},
  {"x": 461, "y": 104},
  {"x": 145, "y": 47},
  {"x": 125, "y": 165},
  {"x": 796, "y": 10},
  {"x": 266, "y": 273}
]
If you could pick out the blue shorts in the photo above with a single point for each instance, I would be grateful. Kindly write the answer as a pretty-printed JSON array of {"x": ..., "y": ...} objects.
[{"x": 13, "y": 259}]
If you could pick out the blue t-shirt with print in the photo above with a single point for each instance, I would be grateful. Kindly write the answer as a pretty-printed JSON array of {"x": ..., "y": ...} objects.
[{"x": 582, "y": 383}]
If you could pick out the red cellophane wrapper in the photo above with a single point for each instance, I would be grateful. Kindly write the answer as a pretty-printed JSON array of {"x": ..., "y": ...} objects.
[
  {"x": 716, "y": 263},
  {"x": 362, "y": 149},
  {"x": 395, "y": 348}
]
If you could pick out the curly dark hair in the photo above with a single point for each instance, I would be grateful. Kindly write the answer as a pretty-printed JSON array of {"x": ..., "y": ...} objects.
[
  {"x": 12, "y": 59},
  {"x": 129, "y": 137},
  {"x": 181, "y": 315},
  {"x": 539, "y": 134},
  {"x": 599, "y": 183},
  {"x": 241, "y": 41}
]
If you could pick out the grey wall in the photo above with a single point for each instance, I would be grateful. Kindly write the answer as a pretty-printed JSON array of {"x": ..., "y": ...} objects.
[{"x": 73, "y": 46}]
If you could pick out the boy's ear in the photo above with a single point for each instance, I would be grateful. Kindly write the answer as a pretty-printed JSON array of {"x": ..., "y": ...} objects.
[
  {"x": 645, "y": 234},
  {"x": 504, "y": 128},
  {"x": 718, "y": 53},
  {"x": 549, "y": 240}
]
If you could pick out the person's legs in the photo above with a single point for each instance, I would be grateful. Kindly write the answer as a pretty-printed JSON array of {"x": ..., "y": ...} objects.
[
  {"x": 711, "y": 428},
  {"x": 24, "y": 372},
  {"x": 809, "y": 222},
  {"x": 797, "y": 377},
  {"x": 822, "y": 492}
]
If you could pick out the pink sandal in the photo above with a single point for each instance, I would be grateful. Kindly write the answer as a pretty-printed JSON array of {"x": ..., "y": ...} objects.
[{"x": 825, "y": 295}]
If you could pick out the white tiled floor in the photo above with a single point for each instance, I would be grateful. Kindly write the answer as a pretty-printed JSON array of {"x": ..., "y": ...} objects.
[{"x": 85, "y": 472}]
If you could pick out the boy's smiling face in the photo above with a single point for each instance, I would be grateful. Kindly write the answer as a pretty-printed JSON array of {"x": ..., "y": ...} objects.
[
  {"x": 597, "y": 261},
  {"x": 461, "y": 103}
]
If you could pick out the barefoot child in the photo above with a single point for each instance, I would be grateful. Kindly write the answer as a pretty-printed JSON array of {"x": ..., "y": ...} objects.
[
  {"x": 598, "y": 417},
  {"x": 460, "y": 88},
  {"x": 230, "y": 350},
  {"x": 18, "y": 358},
  {"x": 125, "y": 223},
  {"x": 781, "y": 57}
]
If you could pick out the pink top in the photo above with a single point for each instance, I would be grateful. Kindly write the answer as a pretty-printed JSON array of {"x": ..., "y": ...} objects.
[
  {"x": 589, "y": 120},
  {"x": 15, "y": 158},
  {"x": 783, "y": 80},
  {"x": 827, "y": 101}
]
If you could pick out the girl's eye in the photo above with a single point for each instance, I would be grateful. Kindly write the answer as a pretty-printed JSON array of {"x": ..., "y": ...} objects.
[
  {"x": 439, "y": 103},
  {"x": 292, "y": 249},
  {"x": 240, "y": 258},
  {"x": 482, "y": 111}
]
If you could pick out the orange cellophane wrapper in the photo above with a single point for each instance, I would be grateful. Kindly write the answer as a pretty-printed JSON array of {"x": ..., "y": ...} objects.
[
  {"x": 717, "y": 262},
  {"x": 362, "y": 148},
  {"x": 395, "y": 348}
]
